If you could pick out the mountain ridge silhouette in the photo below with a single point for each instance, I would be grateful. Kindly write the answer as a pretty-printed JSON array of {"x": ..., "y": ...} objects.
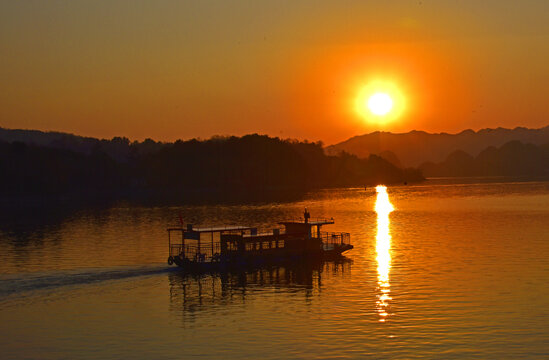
[{"x": 417, "y": 147}]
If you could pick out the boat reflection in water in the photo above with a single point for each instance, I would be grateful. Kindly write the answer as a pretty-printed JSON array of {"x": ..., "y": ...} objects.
[
  {"x": 191, "y": 293},
  {"x": 383, "y": 208}
]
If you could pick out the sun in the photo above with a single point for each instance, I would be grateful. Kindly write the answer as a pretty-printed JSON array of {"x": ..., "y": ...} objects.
[{"x": 380, "y": 104}]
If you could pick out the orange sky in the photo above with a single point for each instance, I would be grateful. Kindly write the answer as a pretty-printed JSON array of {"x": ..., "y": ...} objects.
[{"x": 169, "y": 70}]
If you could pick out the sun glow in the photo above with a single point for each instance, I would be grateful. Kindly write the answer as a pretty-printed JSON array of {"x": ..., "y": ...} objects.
[
  {"x": 383, "y": 208},
  {"x": 379, "y": 102}
]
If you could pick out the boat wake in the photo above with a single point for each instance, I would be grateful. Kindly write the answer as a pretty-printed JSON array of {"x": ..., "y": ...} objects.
[{"x": 24, "y": 282}]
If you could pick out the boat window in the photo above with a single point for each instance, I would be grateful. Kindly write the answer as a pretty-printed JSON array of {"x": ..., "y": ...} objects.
[{"x": 232, "y": 246}]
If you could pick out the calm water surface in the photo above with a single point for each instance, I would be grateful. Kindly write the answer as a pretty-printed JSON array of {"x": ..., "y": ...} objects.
[{"x": 454, "y": 271}]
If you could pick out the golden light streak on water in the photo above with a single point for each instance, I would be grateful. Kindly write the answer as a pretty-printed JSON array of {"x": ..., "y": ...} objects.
[{"x": 383, "y": 208}]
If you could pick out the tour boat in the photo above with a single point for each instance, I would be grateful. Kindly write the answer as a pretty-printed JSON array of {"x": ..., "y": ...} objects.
[{"x": 195, "y": 248}]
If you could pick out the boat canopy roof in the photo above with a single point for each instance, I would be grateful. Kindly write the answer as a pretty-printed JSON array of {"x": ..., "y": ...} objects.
[
  {"x": 213, "y": 229},
  {"x": 310, "y": 222}
]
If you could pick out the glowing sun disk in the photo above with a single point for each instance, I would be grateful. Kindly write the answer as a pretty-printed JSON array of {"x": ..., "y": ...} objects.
[{"x": 380, "y": 103}]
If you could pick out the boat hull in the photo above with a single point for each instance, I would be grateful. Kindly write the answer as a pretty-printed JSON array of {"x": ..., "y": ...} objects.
[{"x": 259, "y": 260}]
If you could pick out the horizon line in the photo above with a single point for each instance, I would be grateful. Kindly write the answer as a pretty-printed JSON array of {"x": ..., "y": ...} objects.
[{"x": 273, "y": 136}]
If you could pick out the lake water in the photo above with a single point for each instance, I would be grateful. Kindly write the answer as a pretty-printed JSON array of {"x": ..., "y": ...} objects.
[{"x": 455, "y": 271}]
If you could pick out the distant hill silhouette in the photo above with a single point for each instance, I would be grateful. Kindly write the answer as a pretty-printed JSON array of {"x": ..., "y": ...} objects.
[
  {"x": 416, "y": 147},
  {"x": 57, "y": 164},
  {"x": 118, "y": 148},
  {"x": 512, "y": 159}
]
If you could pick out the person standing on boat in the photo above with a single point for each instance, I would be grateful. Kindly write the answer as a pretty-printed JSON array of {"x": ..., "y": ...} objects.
[{"x": 306, "y": 215}]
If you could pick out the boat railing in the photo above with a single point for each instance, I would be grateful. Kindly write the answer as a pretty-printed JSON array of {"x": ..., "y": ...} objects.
[
  {"x": 175, "y": 249},
  {"x": 334, "y": 238},
  {"x": 203, "y": 253}
]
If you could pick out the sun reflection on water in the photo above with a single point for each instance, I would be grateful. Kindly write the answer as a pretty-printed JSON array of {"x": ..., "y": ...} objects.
[{"x": 383, "y": 208}]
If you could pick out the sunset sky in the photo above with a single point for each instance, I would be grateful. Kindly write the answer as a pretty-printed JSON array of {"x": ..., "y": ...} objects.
[{"x": 182, "y": 69}]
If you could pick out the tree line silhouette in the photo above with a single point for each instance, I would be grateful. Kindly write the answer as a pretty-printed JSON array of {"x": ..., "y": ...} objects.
[{"x": 252, "y": 165}]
